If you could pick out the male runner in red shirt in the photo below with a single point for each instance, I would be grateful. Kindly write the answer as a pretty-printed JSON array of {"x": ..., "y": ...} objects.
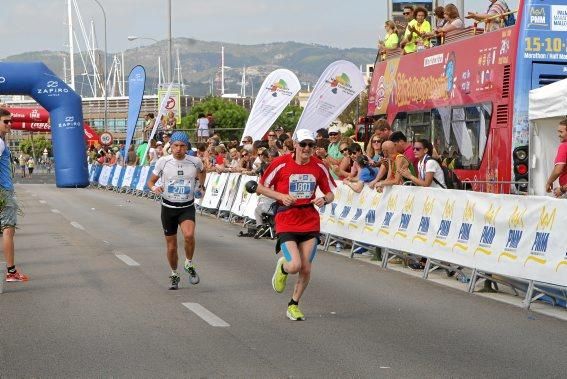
[{"x": 295, "y": 178}]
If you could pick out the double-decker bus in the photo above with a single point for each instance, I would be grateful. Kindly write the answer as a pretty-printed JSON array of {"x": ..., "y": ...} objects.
[{"x": 469, "y": 95}]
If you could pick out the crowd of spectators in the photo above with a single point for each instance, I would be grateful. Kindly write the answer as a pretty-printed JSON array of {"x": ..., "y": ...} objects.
[{"x": 416, "y": 32}]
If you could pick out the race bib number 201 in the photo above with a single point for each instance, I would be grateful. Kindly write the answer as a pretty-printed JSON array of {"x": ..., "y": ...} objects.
[{"x": 302, "y": 186}]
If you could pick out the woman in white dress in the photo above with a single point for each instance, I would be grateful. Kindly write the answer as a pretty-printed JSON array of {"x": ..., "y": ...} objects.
[{"x": 202, "y": 128}]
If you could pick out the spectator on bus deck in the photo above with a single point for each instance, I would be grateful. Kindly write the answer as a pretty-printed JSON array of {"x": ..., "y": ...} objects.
[
  {"x": 415, "y": 37},
  {"x": 560, "y": 169},
  {"x": 391, "y": 41},
  {"x": 409, "y": 18},
  {"x": 495, "y": 9},
  {"x": 440, "y": 20},
  {"x": 453, "y": 21},
  {"x": 404, "y": 147}
]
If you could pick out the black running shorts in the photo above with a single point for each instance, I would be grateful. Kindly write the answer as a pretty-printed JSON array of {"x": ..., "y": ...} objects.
[
  {"x": 298, "y": 237},
  {"x": 172, "y": 217}
]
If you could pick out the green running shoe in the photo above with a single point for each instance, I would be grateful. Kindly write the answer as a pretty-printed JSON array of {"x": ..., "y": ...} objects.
[
  {"x": 193, "y": 276},
  {"x": 294, "y": 314},
  {"x": 174, "y": 282},
  {"x": 279, "y": 278}
]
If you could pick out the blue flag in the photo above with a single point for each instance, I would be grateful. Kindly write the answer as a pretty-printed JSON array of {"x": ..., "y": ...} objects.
[{"x": 136, "y": 85}]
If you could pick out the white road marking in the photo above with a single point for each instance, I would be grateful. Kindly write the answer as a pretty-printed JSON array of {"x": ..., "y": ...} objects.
[
  {"x": 55, "y": 211},
  {"x": 75, "y": 224},
  {"x": 206, "y": 315},
  {"x": 126, "y": 259},
  {"x": 43, "y": 202}
]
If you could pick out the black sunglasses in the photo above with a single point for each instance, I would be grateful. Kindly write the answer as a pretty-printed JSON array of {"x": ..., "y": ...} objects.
[
  {"x": 406, "y": 13},
  {"x": 343, "y": 150},
  {"x": 306, "y": 144},
  {"x": 333, "y": 134},
  {"x": 271, "y": 135},
  {"x": 6, "y": 122},
  {"x": 376, "y": 141}
]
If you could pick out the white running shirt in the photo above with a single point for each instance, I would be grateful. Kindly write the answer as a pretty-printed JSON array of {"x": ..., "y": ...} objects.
[{"x": 178, "y": 177}]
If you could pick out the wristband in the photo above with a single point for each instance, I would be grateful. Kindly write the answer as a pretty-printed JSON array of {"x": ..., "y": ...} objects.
[
  {"x": 154, "y": 188},
  {"x": 325, "y": 200}
]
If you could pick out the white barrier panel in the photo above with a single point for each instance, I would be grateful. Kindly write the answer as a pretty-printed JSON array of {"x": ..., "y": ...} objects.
[
  {"x": 240, "y": 204},
  {"x": 105, "y": 175},
  {"x": 230, "y": 192},
  {"x": 352, "y": 214},
  {"x": 517, "y": 236},
  {"x": 251, "y": 206},
  {"x": 116, "y": 176},
  {"x": 144, "y": 174},
  {"x": 214, "y": 192},
  {"x": 128, "y": 176}
]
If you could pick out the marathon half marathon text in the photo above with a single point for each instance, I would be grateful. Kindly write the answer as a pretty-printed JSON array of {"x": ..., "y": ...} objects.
[{"x": 550, "y": 56}]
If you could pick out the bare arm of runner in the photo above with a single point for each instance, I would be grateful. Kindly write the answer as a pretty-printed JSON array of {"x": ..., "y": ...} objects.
[
  {"x": 286, "y": 200},
  {"x": 152, "y": 184}
]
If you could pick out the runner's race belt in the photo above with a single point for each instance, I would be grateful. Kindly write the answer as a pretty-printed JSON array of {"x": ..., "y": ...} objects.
[{"x": 176, "y": 204}]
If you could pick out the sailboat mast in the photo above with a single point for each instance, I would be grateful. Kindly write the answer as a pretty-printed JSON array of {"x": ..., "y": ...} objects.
[{"x": 71, "y": 44}]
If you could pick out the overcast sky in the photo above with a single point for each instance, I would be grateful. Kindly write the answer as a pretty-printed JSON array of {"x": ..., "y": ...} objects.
[{"x": 32, "y": 25}]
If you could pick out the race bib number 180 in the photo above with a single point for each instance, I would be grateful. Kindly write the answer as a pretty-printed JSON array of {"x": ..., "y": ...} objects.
[{"x": 302, "y": 186}]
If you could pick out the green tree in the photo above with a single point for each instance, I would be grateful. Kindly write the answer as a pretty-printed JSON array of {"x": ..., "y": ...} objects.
[
  {"x": 227, "y": 115},
  {"x": 39, "y": 144},
  {"x": 289, "y": 118}
]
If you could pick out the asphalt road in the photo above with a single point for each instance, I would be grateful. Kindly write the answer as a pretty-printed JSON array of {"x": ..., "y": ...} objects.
[{"x": 87, "y": 313}]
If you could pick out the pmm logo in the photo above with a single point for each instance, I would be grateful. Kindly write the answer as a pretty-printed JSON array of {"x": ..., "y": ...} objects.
[
  {"x": 515, "y": 233},
  {"x": 445, "y": 226},
  {"x": 425, "y": 221},
  {"x": 390, "y": 209},
  {"x": 405, "y": 219},
  {"x": 538, "y": 16}
]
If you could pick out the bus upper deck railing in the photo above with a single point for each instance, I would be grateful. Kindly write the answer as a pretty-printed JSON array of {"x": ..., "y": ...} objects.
[{"x": 452, "y": 36}]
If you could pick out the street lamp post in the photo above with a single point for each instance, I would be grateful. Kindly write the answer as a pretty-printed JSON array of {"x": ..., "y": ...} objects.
[{"x": 105, "y": 69}]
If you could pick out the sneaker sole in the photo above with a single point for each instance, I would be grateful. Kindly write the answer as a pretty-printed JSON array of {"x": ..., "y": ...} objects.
[{"x": 294, "y": 319}]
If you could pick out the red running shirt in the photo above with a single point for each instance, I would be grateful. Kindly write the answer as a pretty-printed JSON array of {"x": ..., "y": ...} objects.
[{"x": 301, "y": 181}]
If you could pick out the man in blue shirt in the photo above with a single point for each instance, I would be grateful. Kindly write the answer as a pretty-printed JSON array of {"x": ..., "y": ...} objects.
[{"x": 8, "y": 205}]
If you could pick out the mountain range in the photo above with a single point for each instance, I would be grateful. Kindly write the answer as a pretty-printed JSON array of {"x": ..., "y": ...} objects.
[{"x": 201, "y": 60}]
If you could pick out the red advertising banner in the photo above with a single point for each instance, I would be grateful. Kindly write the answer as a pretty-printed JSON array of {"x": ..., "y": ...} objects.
[
  {"x": 90, "y": 134},
  {"x": 29, "y": 115}
]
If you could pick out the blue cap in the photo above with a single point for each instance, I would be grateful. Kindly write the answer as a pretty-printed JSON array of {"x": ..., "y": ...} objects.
[{"x": 180, "y": 137}]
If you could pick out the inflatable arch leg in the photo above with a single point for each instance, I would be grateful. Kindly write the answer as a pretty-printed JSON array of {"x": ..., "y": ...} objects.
[{"x": 66, "y": 116}]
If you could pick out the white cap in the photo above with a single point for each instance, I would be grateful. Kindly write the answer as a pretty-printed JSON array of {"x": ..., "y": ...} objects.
[
  {"x": 159, "y": 143},
  {"x": 304, "y": 134},
  {"x": 334, "y": 129}
]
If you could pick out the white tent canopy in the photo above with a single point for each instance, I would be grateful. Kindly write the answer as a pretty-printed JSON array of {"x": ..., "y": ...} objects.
[
  {"x": 547, "y": 106},
  {"x": 549, "y": 101}
]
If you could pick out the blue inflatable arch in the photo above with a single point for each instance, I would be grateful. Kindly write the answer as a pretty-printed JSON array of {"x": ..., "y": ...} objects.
[{"x": 65, "y": 112}]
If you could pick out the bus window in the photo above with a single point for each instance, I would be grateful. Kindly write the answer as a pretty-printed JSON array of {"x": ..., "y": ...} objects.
[
  {"x": 400, "y": 123},
  {"x": 469, "y": 127},
  {"x": 441, "y": 130},
  {"x": 461, "y": 133},
  {"x": 419, "y": 126}
]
